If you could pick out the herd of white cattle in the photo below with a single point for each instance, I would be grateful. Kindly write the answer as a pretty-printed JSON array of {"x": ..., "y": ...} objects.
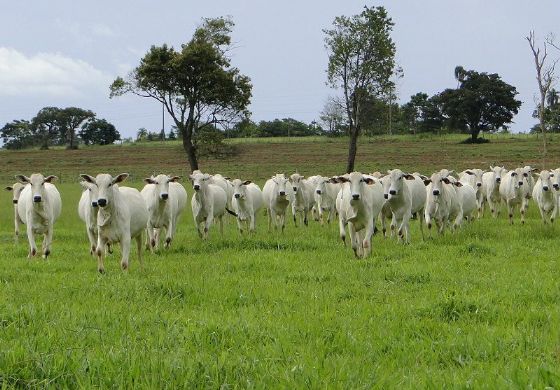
[{"x": 117, "y": 214}]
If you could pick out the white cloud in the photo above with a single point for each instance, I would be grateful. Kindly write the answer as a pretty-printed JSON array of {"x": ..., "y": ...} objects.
[{"x": 48, "y": 74}]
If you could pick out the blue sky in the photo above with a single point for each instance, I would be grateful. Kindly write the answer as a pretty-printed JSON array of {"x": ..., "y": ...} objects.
[{"x": 66, "y": 53}]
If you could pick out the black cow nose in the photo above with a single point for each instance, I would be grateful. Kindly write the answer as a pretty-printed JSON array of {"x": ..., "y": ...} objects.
[
  {"x": 15, "y": 201},
  {"x": 393, "y": 192},
  {"x": 435, "y": 192},
  {"x": 102, "y": 202},
  {"x": 236, "y": 196},
  {"x": 479, "y": 184},
  {"x": 282, "y": 193},
  {"x": 498, "y": 180},
  {"x": 164, "y": 196},
  {"x": 318, "y": 192},
  {"x": 36, "y": 199},
  {"x": 295, "y": 189},
  {"x": 386, "y": 196},
  {"x": 355, "y": 196},
  {"x": 196, "y": 187},
  {"x": 545, "y": 188},
  {"x": 93, "y": 204},
  {"x": 554, "y": 185},
  {"x": 520, "y": 183}
]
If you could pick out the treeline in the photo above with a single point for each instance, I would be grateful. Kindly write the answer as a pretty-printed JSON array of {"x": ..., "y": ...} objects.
[{"x": 53, "y": 126}]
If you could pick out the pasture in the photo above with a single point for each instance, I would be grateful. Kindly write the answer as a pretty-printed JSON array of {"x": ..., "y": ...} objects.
[{"x": 478, "y": 308}]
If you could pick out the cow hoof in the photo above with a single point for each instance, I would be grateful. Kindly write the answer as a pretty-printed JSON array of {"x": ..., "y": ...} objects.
[
  {"x": 153, "y": 243},
  {"x": 46, "y": 254},
  {"x": 110, "y": 249},
  {"x": 101, "y": 270},
  {"x": 124, "y": 266}
]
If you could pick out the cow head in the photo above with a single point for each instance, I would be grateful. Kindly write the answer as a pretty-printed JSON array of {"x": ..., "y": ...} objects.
[
  {"x": 240, "y": 188},
  {"x": 295, "y": 182},
  {"x": 162, "y": 184},
  {"x": 106, "y": 186},
  {"x": 92, "y": 190},
  {"x": 393, "y": 183},
  {"x": 37, "y": 183},
  {"x": 16, "y": 191},
  {"x": 199, "y": 180},
  {"x": 357, "y": 182},
  {"x": 280, "y": 180}
]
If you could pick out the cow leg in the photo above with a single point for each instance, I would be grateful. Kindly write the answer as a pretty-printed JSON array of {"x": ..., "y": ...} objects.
[
  {"x": 510, "y": 213},
  {"x": 420, "y": 213},
  {"x": 221, "y": 221},
  {"x": 155, "y": 243},
  {"x": 342, "y": 230},
  {"x": 47, "y": 242},
  {"x": 125, "y": 249},
  {"x": 139, "y": 247},
  {"x": 240, "y": 225},
  {"x": 92, "y": 241},
  {"x": 272, "y": 219},
  {"x": 99, "y": 251},
  {"x": 170, "y": 232},
  {"x": 207, "y": 224},
  {"x": 31, "y": 239},
  {"x": 150, "y": 242},
  {"x": 252, "y": 221}
]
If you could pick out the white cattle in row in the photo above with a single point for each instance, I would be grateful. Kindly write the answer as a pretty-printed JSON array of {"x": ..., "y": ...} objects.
[
  {"x": 473, "y": 177},
  {"x": 442, "y": 203},
  {"x": 224, "y": 184},
  {"x": 16, "y": 189},
  {"x": 405, "y": 195},
  {"x": 325, "y": 197},
  {"x": 528, "y": 185},
  {"x": 467, "y": 198},
  {"x": 511, "y": 191},
  {"x": 301, "y": 197},
  {"x": 166, "y": 199},
  {"x": 545, "y": 196},
  {"x": 39, "y": 207},
  {"x": 247, "y": 201},
  {"x": 491, "y": 180},
  {"x": 276, "y": 199},
  {"x": 359, "y": 204},
  {"x": 122, "y": 216},
  {"x": 208, "y": 202}
]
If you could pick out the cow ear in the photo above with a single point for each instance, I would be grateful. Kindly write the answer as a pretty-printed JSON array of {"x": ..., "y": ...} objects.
[
  {"x": 227, "y": 178},
  {"x": 9, "y": 188},
  {"x": 333, "y": 180},
  {"x": 149, "y": 180},
  {"x": 445, "y": 180},
  {"x": 120, "y": 178},
  {"x": 50, "y": 178},
  {"x": 342, "y": 179},
  {"x": 175, "y": 178},
  {"x": 88, "y": 178},
  {"x": 408, "y": 176},
  {"x": 84, "y": 184},
  {"x": 247, "y": 182},
  {"x": 534, "y": 170},
  {"x": 427, "y": 181},
  {"x": 458, "y": 184},
  {"x": 22, "y": 179},
  {"x": 369, "y": 180},
  {"x": 469, "y": 172}
]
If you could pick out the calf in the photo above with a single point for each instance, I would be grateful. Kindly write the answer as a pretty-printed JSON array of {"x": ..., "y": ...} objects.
[
  {"x": 16, "y": 189},
  {"x": 122, "y": 216},
  {"x": 491, "y": 181},
  {"x": 208, "y": 203},
  {"x": 473, "y": 177},
  {"x": 325, "y": 197},
  {"x": 247, "y": 201},
  {"x": 442, "y": 203},
  {"x": 166, "y": 200},
  {"x": 301, "y": 198},
  {"x": 545, "y": 194},
  {"x": 405, "y": 195},
  {"x": 360, "y": 203},
  {"x": 39, "y": 207},
  {"x": 511, "y": 191},
  {"x": 275, "y": 196}
]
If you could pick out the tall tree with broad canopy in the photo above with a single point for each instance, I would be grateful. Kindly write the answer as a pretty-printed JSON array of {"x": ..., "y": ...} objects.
[
  {"x": 361, "y": 63},
  {"x": 197, "y": 85},
  {"x": 46, "y": 126},
  {"x": 70, "y": 119},
  {"x": 17, "y": 134},
  {"x": 482, "y": 102},
  {"x": 99, "y": 132}
]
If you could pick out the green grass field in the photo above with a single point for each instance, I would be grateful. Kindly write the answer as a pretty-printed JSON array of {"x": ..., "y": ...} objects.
[{"x": 475, "y": 309}]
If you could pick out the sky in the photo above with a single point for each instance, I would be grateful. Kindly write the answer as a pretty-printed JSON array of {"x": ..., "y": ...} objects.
[{"x": 66, "y": 53}]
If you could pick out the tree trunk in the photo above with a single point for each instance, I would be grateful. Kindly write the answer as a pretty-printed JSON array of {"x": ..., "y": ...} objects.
[
  {"x": 352, "y": 149},
  {"x": 71, "y": 140},
  {"x": 187, "y": 133},
  {"x": 474, "y": 134},
  {"x": 543, "y": 128}
]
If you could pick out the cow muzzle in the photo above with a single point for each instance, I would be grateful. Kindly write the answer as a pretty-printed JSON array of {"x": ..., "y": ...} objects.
[
  {"x": 102, "y": 202},
  {"x": 164, "y": 196},
  {"x": 479, "y": 184},
  {"x": 520, "y": 183},
  {"x": 386, "y": 196},
  {"x": 318, "y": 192},
  {"x": 545, "y": 188},
  {"x": 15, "y": 201},
  {"x": 498, "y": 180},
  {"x": 435, "y": 192},
  {"x": 37, "y": 199},
  {"x": 393, "y": 192},
  {"x": 556, "y": 186},
  {"x": 196, "y": 187},
  {"x": 355, "y": 196},
  {"x": 282, "y": 193},
  {"x": 295, "y": 189},
  {"x": 237, "y": 196}
]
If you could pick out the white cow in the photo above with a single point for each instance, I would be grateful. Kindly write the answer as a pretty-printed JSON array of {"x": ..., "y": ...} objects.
[
  {"x": 275, "y": 195},
  {"x": 39, "y": 207},
  {"x": 247, "y": 201},
  {"x": 122, "y": 216},
  {"x": 473, "y": 177},
  {"x": 166, "y": 200},
  {"x": 301, "y": 198},
  {"x": 16, "y": 189},
  {"x": 87, "y": 211},
  {"x": 225, "y": 184},
  {"x": 545, "y": 196},
  {"x": 442, "y": 203},
  {"x": 208, "y": 203},
  {"x": 405, "y": 195},
  {"x": 359, "y": 204},
  {"x": 325, "y": 197},
  {"x": 467, "y": 197},
  {"x": 491, "y": 180},
  {"x": 528, "y": 185},
  {"x": 511, "y": 191}
]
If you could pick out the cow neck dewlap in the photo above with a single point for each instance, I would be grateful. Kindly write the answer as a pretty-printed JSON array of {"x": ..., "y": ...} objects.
[{"x": 108, "y": 213}]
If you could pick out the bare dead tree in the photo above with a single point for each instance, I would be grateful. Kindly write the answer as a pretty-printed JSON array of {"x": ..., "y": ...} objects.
[{"x": 545, "y": 77}]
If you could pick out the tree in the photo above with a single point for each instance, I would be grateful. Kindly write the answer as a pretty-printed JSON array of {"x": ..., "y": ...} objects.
[
  {"x": 197, "y": 85},
  {"x": 71, "y": 118},
  {"x": 422, "y": 113},
  {"x": 332, "y": 117},
  {"x": 545, "y": 78},
  {"x": 482, "y": 102},
  {"x": 361, "y": 63},
  {"x": 171, "y": 136},
  {"x": 17, "y": 134},
  {"x": 141, "y": 134},
  {"x": 46, "y": 126},
  {"x": 99, "y": 132}
]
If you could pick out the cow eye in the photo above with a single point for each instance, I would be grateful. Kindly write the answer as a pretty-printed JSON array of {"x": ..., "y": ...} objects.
[
  {"x": 513, "y": 174},
  {"x": 525, "y": 174}
]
